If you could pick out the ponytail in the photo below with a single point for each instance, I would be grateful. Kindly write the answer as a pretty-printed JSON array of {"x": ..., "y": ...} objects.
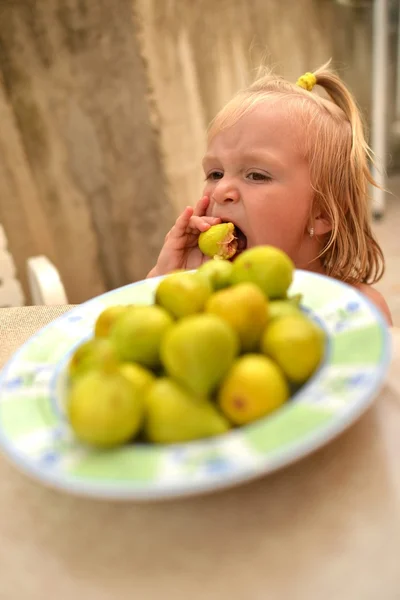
[{"x": 356, "y": 239}]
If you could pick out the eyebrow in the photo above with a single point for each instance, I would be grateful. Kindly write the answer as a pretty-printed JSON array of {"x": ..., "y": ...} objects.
[
  {"x": 209, "y": 158},
  {"x": 249, "y": 156}
]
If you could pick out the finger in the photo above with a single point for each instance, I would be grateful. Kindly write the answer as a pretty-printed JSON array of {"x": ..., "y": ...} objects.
[
  {"x": 201, "y": 206},
  {"x": 202, "y": 223},
  {"x": 212, "y": 220},
  {"x": 196, "y": 221},
  {"x": 182, "y": 222}
]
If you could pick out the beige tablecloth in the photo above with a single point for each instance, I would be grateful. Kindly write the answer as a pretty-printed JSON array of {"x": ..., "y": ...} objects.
[{"x": 327, "y": 528}]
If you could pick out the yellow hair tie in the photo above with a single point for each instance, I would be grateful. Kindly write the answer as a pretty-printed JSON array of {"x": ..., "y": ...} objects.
[{"x": 307, "y": 81}]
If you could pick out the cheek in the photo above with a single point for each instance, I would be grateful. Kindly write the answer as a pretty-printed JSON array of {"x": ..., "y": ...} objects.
[{"x": 280, "y": 222}]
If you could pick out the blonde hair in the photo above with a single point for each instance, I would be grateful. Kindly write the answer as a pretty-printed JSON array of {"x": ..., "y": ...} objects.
[{"x": 338, "y": 156}]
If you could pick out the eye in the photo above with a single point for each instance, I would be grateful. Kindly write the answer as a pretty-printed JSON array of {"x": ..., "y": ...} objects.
[
  {"x": 215, "y": 175},
  {"x": 255, "y": 176}
]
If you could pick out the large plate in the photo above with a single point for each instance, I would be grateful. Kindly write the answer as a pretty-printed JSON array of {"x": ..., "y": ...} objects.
[{"x": 35, "y": 435}]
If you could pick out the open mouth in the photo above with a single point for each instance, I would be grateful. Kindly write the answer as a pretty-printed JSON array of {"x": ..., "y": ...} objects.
[{"x": 239, "y": 242}]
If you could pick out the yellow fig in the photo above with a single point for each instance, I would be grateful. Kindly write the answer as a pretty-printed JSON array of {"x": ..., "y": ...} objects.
[
  {"x": 245, "y": 308},
  {"x": 105, "y": 409},
  {"x": 89, "y": 355},
  {"x": 219, "y": 241},
  {"x": 266, "y": 266},
  {"x": 254, "y": 387},
  {"x": 183, "y": 294},
  {"x": 174, "y": 414},
  {"x": 218, "y": 273},
  {"x": 296, "y": 344},
  {"x": 198, "y": 351},
  {"x": 107, "y": 318},
  {"x": 137, "y": 335}
]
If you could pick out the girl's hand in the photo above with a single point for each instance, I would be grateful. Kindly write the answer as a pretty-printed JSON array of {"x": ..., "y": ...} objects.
[{"x": 180, "y": 250}]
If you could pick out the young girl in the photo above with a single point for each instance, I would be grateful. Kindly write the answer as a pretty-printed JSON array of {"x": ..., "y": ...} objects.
[{"x": 290, "y": 169}]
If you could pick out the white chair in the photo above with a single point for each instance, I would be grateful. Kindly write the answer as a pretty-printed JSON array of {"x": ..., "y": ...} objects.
[
  {"x": 44, "y": 281},
  {"x": 45, "y": 284}
]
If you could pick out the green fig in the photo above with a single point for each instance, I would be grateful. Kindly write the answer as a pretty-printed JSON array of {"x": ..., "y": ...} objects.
[
  {"x": 198, "y": 351},
  {"x": 137, "y": 335},
  {"x": 175, "y": 415},
  {"x": 219, "y": 241},
  {"x": 282, "y": 308},
  {"x": 254, "y": 387},
  {"x": 138, "y": 376},
  {"x": 107, "y": 318},
  {"x": 104, "y": 408},
  {"x": 266, "y": 266},
  {"x": 245, "y": 308},
  {"x": 295, "y": 299},
  {"x": 296, "y": 344},
  {"x": 218, "y": 273},
  {"x": 90, "y": 355},
  {"x": 183, "y": 294}
]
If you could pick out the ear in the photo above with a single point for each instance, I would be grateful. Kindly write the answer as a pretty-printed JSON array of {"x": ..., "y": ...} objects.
[{"x": 322, "y": 223}]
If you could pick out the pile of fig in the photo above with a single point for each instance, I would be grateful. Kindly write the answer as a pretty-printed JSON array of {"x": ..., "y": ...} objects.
[{"x": 220, "y": 347}]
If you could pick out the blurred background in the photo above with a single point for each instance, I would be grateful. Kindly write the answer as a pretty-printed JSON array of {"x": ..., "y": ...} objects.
[{"x": 104, "y": 107}]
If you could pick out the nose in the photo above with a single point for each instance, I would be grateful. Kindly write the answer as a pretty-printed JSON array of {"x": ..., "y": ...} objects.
[{"x": 225, "y": 192}]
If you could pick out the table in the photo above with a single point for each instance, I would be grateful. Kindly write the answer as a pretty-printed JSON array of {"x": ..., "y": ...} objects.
[{"x": 325, "y": 528}]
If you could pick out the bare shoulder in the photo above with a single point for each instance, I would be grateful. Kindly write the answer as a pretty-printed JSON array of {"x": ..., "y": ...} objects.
[{"x": 377, "y": 298}]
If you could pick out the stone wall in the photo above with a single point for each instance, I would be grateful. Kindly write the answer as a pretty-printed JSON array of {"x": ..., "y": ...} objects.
[
  {"x": 104, "y": 107},
  {"x": 81, "y": 179}
]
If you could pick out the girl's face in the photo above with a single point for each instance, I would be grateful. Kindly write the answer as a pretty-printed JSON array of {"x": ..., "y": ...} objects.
[{"x": 257, "y": 177}]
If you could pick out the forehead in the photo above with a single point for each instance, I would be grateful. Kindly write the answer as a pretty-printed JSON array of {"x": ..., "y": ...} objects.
[{"x": 273, "y": 125}]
